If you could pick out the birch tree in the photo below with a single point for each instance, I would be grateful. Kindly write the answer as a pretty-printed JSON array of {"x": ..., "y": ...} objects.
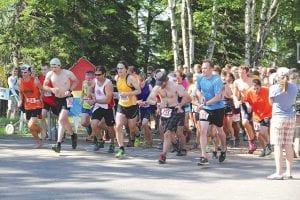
[
  {"x": 190, "y": 32},
  {"x": 266, "y": 18},
  {"x": 213, "y": 35},
  {"x": 172, "y": 8},
  {"x": 249, "y": 16},
  {"x": 185, "y": 40}
]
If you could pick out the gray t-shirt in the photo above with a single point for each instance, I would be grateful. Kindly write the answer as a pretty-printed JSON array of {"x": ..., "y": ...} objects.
[{"x": 283, "y": 102}]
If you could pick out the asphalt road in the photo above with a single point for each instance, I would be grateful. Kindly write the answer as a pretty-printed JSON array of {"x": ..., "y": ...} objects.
[{"x": 27, "y": 173}]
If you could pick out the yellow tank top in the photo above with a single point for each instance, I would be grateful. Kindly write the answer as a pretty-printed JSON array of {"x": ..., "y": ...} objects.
[{"x": 123, "y": 87}]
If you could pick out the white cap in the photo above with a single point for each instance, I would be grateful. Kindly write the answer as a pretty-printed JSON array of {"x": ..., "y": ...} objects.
[
  {"x": 55, "y": 61},
  {"x": 283, "y": 71}
]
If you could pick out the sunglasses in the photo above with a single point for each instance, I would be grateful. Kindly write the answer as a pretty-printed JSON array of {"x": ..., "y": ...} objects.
[
  {"x": 24, "y": 72},
  {"x": 120, "y": 68},
  {"x": 98, "y": 74}
]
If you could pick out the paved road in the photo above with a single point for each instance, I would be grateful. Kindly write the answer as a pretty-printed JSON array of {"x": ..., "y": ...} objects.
[{"x": 80, "y": 174}]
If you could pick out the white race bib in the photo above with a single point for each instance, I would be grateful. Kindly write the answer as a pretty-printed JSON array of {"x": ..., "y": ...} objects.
[
  {"x": 30, "y": 100},
  {"x": 236, "y": 117},
  {"x": 166, "y": 112},
  {"x": 123, "y": 99},
  {"x": 69, "y": 102},
  {"x": 203, "y": 115},
  {"x": 47, "y": 94},
  {"x": 256, "y": 126}
]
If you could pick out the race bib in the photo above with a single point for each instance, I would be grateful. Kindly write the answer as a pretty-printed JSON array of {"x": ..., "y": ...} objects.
[
  {"x": 47, "y": 94},
  {"x": 87, "y": 106},
  {"x": 123, "y": 99},
  {"x": 69, "y": 102},
  {"x": 30, "y": 100},
  {"x": 194, "y": 108},
  {"x": 256, "y": 126},
  {"x": 166, "y": 112},
  {"x": 203, "y": 115}
]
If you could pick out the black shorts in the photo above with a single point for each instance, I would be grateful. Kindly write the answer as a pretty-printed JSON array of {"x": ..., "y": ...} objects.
[
  {"x": 265, "y": 122},
  {"x": 51, "y": 108},
  {"x": 33, "y": 113},
  {"x": 130, "y": 112},
  {"x": 214, "y": 117},
  {"x": 229, "y": 106},
  {"x": 170, "y": 123},
  {"x": 145, "y": 113},
  {"x": 61, "y": 103},
  {"x": 245, "y": 114},
  {"x": 107, "y": 114}
]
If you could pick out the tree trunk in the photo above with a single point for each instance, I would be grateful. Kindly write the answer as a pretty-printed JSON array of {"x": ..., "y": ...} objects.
[
  {"x": 213, "y": 35},
  {"x": 185, "y": 40},
  {"x": 191, "y": 32},
  {"x": 266, "y": 17},
  {"x": 16, "y": 44},
  {"x": 172, "y": 7},
  {"x": 248, "y": 34}
]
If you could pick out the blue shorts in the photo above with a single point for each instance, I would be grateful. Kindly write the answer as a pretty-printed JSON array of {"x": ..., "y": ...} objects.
[{"x": 87, "y": 111}]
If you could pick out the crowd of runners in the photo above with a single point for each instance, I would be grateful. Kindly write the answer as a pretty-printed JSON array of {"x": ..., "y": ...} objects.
[{"x": 211, "y": 104}]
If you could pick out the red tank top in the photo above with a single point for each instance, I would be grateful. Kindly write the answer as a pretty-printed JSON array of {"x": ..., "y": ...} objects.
[
  {"x": 48, "y": 97},
  {"x": 31, "y": 94}
]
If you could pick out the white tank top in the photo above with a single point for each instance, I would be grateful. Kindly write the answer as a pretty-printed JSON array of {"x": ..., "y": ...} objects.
[{"x": 100, "y": 94}]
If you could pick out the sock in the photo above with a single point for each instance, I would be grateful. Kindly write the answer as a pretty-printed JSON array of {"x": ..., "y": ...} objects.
[{"x": 122, "y": 148}]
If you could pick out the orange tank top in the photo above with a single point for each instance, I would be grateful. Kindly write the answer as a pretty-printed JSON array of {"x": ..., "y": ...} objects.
[{"x": 31, "y": 94}]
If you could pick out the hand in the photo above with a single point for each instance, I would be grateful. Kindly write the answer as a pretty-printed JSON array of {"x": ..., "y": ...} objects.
[
  {"x": 141, "y": 103},
  {"x": 20, "y": 103},
  {"x": 68, "y": 93},
  {"x": 179, "y": 109},
  {"x": 123, "y": 94}
]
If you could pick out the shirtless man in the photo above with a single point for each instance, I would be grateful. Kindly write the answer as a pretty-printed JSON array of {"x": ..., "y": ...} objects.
[
  {"x": 62, "y": 89},
  {"x": 168, "y": 92},
  {"x": 240, "y": 87}
]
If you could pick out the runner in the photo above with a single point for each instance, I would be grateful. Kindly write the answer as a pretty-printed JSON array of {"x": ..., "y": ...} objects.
[
  {"x": 212, "y": 110},
  {"x": 128, "y": 88},
  {"x": 63, "y": 81},
  {"x": 240, "y": 87},
  {"x": 103, "y": 100},
  {"x": 257, "y": 100},
  {"x": 87, "y": 109},
  {"x": 30, "y": 97},
  {"x": 48, "y": 100},
  {"x": 171, "y": 110}
]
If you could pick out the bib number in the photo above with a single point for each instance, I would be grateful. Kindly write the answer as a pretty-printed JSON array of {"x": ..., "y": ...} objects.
[
  {"x": 69, "y": 102},
  {"x": 256, "y": 126},
  {"x": 166, "y": 112},
  {"x": 203, "y": 115},
  {"x": 123, "y": 99},
  {"x": 47, "y": 94},
  {"x": 236, "y": 117},
  {"x": 30, "y": 100}
]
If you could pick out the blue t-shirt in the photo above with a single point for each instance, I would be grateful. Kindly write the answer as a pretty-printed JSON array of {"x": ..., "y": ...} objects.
[
  {"x": 283, "y": 102},
  {"x": 209, "y": 87}
]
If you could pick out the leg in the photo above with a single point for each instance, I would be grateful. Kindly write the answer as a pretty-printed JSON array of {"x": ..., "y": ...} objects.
[
  {"x": 289, "y": 158},
  {"x": 120, "y": 122},
  {"x": 203, "y": 137}
]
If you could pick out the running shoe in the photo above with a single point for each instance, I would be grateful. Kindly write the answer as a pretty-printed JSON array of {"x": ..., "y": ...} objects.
[
  {"x": 182, "y": 152},
  {"x": 203, "y": 161},
  {"x": 262, "y": 153},
  {"x": 96, "y": 147},
  {"x": 120, "y": 153},
  {"x": 176, "y": 146},
  {"x": 137, "y": 142},
  {"x": 207, "y": 149},
  {"x": 268, "y": 150},
  {"x": 101, "y": 144},
  {"x": 222, "y": 156},
  {"x": 111, "y": 148},
  {"x": 56, "y": 147},
  {"x": 162, "y": 159},
  {"x": 252, "y": 147},
  {"x": 215, "y": 154},
  {"x": 130, "y": 143},
  {"x": 147, "y": 145},
  {"x": 74, "y": 140}
]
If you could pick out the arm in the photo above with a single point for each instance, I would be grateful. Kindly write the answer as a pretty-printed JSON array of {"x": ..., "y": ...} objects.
[
  {"x": 136, "y": 86},
  {"x": 185, "y": 96},
  {"x": 47, "y": 81},
  {"x": 152, "y": 96},
  {"x": 74, "y": 81}
]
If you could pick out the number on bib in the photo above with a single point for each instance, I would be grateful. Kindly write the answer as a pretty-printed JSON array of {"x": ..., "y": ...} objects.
[
  {"x": 203, "y": 115},
  {"x": 30, "y": 100},
  {"x": 69, "y": 102},
  {"x": 166, "y": 112},
  {"x": 256, "y": 126}
]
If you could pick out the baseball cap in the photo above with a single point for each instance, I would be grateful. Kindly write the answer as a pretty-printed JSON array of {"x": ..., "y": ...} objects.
[
  {"x": 55, "y": 61},
  {"x": 26, "y": 67},
  {"x": 283, "y": 71},
  {"x": 160, "y": 78}
]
